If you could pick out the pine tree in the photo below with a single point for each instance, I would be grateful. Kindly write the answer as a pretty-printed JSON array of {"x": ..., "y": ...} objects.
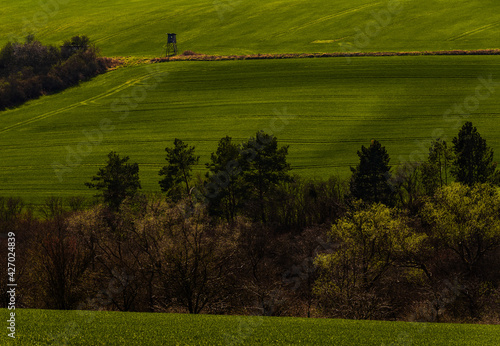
[
  {"x": 473, "y": 158},
  {"x": 264, "y": 166},
  {"x": 180, "y": 160},
  {"x": 117, "y": 180},
  {"x": 370, "y": 178},
  {"x": 224, "y": 184}
]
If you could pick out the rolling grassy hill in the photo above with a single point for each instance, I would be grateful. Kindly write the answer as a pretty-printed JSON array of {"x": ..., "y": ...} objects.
[
  {"x": 43, "y": 327},
  {"x": 137, "y": 28},
  {"x": 325, "y": 109}
]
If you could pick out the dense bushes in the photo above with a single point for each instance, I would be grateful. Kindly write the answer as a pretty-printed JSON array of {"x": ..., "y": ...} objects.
[
  {"x": 375, "y": 263},
  {"x": 250, "y": 238},
  {"x": 29, "y": 70}
]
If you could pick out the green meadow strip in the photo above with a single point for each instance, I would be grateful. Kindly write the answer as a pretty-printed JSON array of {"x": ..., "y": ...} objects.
[{"x": 49, "y": 327}]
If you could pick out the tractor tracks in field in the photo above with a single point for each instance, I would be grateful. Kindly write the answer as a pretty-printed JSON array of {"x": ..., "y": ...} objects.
[
  {"x": 474, "y": 31},
  {"x": 327, "y": 18},
  {"x": 93, "y": 99}
]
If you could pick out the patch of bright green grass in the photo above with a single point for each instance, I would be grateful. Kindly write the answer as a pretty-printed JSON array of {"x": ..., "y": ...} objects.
[
  {"x": 46, "y": 327},
  {"x": 325, "y": 109},
  {"x": 131, "y": 27}
]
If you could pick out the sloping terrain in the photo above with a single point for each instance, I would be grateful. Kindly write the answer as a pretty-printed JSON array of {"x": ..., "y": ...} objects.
[
  {"x": 325, "y": 109},
  {"x": 138, "y": 28}
]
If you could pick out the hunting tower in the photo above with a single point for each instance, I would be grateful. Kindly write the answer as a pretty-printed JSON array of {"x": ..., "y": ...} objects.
[{"x": 171, "y": 45}]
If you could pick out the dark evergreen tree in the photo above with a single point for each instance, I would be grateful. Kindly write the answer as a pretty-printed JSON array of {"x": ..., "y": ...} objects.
[
  {"x": 370, "y": 178},
  {"x": 181, "y": 160},
  {"x": 264, "y": 166},
  {"x": 117, "y": 180},
  {"x": 473, "y": 158},
  {"x": 224, "y": 184}
]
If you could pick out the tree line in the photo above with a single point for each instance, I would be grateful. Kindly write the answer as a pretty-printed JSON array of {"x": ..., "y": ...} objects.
[
  {"x": 29, "y": 70},
  {"x": 419, "y": 242}
]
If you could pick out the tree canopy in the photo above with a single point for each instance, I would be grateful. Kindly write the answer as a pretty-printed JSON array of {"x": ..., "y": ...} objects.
[
  {"x": 181, "y": 159},
  {"x": 372, "y": 239},
  {"x": 224, "y": 186},
  {"x": 370, "y": 178},
  {"x": 436, "y": 171},
  {"x": 117, "y": 180},
  {"x": 466, "y": 220},
  {"x": 263, "y": 166},
  {"x": 473, "y": 158}
]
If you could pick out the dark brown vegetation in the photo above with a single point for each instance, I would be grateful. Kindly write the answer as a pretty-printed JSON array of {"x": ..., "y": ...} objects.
[
  {"x": 29, "y": 70},
  {"x": 269, "y": 243},
  {"x": 155, "y": 255},
  {"x": 189, "y": 53}
]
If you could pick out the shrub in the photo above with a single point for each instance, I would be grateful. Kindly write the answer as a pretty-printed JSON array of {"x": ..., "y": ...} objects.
[{"x": 189, "y": 53}]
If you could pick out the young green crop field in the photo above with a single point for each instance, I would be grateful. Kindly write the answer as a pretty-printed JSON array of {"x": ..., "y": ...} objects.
[
  {"x": 324, "y": 109},
  {"x": 138, "y": 28},
  {"x": 47, "y": 327}
]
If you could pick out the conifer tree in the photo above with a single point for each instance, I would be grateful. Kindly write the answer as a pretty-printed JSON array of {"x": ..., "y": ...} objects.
[
  {"x": 473, "y": 158},
  {"x": 117, "y": 180},
  {"x": 370, "y": 178},
  {"x": 177, "y": 172}
]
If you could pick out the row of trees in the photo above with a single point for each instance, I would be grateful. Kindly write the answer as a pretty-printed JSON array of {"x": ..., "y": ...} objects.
[
  {"x": 241, "y": 179},
  {"x": 415, "y": 231},
  {"x": 376, "y": 263},
  {"x": 250, "y": 238},
  {"x": 469, "y": 161},
  {"x": 30, "y": 69},
  {"x": 244, "y": 178}
]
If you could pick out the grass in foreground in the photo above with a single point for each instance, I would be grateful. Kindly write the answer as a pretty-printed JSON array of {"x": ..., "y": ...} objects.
[
  {"x": 46, "y": 327},
  {"x": 330, "y": 107}
]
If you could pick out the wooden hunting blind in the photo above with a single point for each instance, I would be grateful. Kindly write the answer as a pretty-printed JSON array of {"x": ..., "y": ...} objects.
[
  {"x": 172, "y": 38},
  {"x": 171, "y": 45}
]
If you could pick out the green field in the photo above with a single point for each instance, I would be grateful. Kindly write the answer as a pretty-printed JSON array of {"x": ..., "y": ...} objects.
[
  {"x": 137, "y": 28},
  {"x": 45, "y": 327},
  {"x": 325, "y": 109},
  {"x": 330, "y": 108}
]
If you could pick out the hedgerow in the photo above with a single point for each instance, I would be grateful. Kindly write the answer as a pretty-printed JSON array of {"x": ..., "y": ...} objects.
[{"x": 29, "y": 70}]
